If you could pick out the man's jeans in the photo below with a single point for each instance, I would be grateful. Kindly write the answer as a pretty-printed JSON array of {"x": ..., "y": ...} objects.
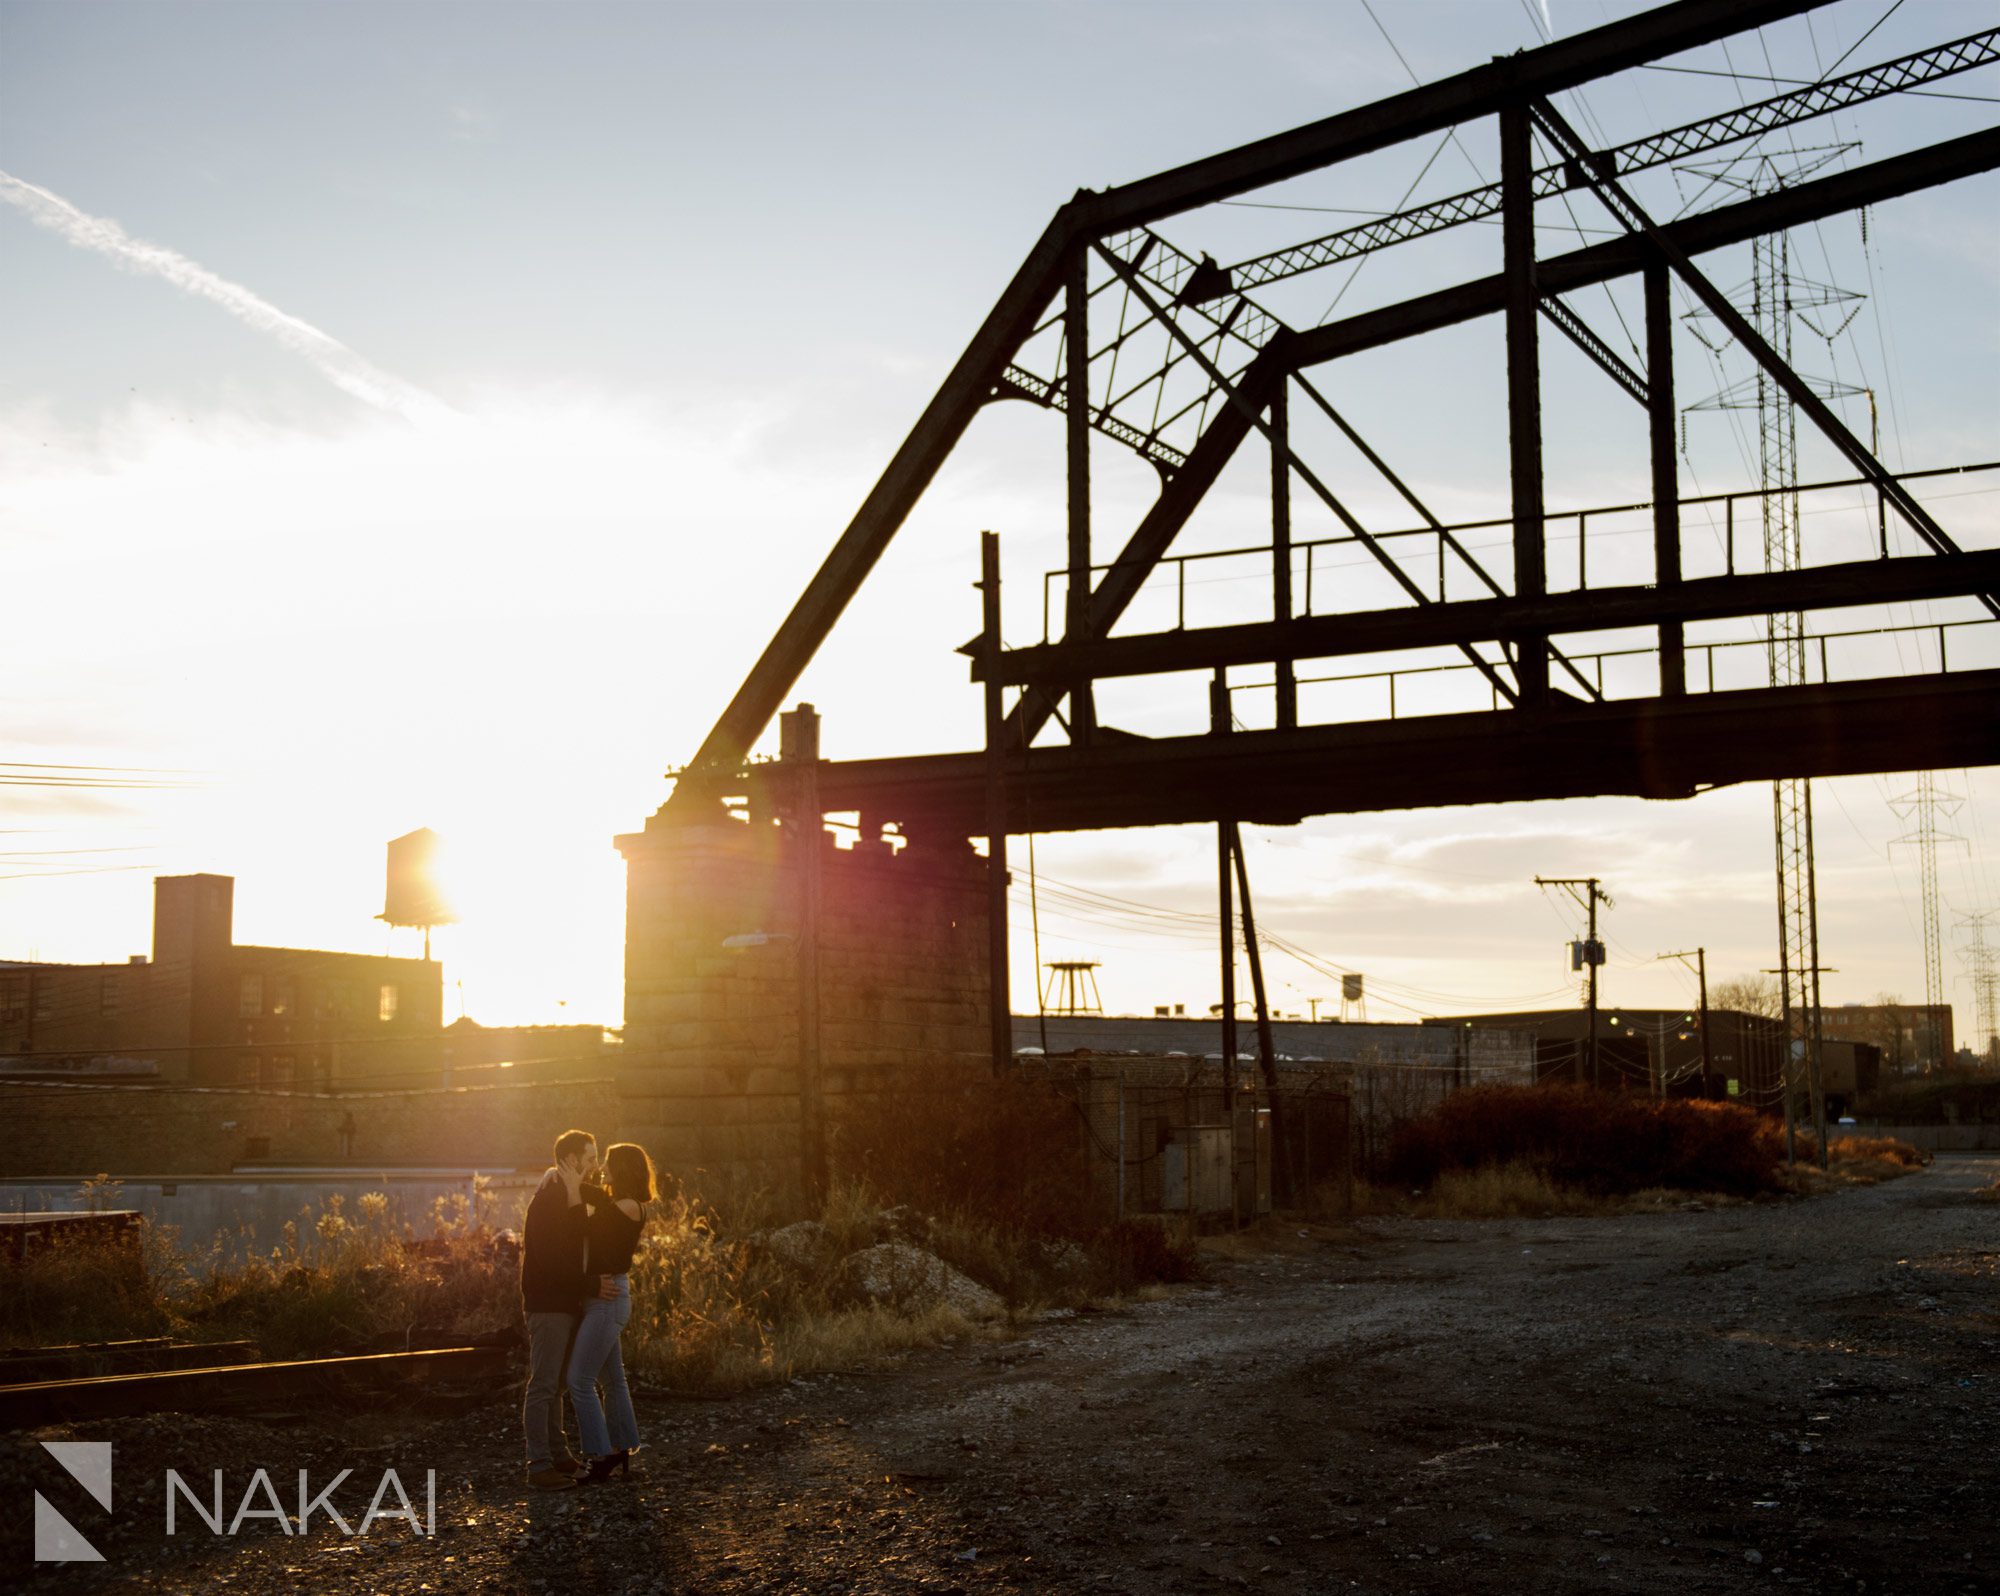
[
  {"x": 549, "y": 1336},
  {"x": 596, "y": 1357}
]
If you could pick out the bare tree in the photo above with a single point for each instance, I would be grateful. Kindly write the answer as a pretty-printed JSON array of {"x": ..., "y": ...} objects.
[{"x": 1748, "y": 994}]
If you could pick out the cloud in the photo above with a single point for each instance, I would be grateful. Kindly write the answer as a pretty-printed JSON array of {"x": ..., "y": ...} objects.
[{"x": 340, "y": 365}]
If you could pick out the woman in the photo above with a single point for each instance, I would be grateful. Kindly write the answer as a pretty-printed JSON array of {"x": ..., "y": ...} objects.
[{"x": 611, "y": 1228}]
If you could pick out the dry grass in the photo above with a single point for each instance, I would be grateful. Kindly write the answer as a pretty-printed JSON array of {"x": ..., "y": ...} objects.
[
  {"x": 334, "y": 1281},
  {"x": 1852, "y": 1161},
  {"x": 1514, "y": 1190},
  {"x": 714, "y": 1313},
  {"x": 987, "y": 1176}
]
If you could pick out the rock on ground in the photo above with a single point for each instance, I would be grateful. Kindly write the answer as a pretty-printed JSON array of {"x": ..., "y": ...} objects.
[{"x": 910, "y": 1277}]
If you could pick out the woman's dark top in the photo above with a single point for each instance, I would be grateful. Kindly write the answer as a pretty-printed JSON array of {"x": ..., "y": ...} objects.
[{"x": 611, "y": 1238}]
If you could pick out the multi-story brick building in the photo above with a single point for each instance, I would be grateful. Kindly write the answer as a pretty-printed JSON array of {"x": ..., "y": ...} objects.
[
  {"x": 204, "y": 1010},
  {"x": 1911, "y": 1036}
]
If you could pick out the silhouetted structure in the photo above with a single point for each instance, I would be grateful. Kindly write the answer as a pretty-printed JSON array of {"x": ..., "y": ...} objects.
[{"x": 205, "y": 1010}]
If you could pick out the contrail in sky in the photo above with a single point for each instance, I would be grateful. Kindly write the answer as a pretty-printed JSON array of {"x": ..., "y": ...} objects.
[{"x": 340, "y": 365}]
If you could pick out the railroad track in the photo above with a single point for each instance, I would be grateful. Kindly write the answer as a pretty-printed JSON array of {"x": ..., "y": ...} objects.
[
  {"x": 21, "y": 1365},
  {"x": 27, "y": 1403}
]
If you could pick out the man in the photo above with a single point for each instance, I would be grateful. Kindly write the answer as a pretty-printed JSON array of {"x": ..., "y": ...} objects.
[{"x": 553, "y": 1287}]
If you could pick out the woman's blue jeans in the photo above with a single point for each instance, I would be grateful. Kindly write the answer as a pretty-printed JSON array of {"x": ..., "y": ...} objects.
[{"x": 610, "y": 1426}]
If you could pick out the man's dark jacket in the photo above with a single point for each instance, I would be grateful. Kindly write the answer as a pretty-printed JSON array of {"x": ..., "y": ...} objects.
[{"x": 552, "y": 1243}]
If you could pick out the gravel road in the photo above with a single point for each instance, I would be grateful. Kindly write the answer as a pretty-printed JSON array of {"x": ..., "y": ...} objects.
[{"x": 1797, "y": 1393}]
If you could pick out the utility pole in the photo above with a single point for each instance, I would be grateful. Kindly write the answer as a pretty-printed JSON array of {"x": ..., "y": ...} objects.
[
  {"x": 1700, "y": 957},
  {"x": 1778, "y": 297},
  {"x": 1001, "y": 1018},
  {"x": 1979, "y": 971},
  {"x": 1808, "y": 1047},
  {"x": 1921, "y": 809},
  {"x": 1590, "y": 952}
]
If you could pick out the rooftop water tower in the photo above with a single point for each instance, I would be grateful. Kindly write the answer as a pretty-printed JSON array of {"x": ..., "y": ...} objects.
[{"x": 415, "y": 896}]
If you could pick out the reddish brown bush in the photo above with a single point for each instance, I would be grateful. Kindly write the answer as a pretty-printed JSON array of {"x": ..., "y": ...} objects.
[{"x": 1600, "y": 1142}]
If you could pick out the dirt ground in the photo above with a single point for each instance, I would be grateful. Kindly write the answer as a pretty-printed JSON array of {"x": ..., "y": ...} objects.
[{"x": 1802, "y": 1393}]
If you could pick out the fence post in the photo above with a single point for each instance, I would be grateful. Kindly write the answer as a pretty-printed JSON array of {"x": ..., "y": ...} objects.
[{"x": 1121, "y": 1144}]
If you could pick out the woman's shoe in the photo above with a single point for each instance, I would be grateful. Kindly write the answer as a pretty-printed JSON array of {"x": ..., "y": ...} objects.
[{"x": 602, "y": 1468}]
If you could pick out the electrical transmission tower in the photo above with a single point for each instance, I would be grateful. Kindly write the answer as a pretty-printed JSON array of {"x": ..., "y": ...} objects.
[
  {"x": 1979, "y": 970},
  {"x": 1776, "y": 298},
  {"x": 1920, "y": 810}
]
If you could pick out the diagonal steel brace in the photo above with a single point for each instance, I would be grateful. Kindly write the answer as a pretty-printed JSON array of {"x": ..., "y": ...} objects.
[
  {"x": 1346, "y": 518},
  {"x": 1635, "y": 220},
  {"x": 1445, "y": 534}
]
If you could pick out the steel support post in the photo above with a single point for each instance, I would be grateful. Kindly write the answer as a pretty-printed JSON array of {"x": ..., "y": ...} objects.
[
  {"x": 1283, "y": 1186},
  {"x": 1281, "y": 548},
  {"x": 1001, "y": 1018},
  {"x": 1219, "y": 722},
  {"x": 1779, "y": 369},
  {"x": 1524, "y": 391},
  {"x": 1076, "y": 379},
  {"x": 1666, "y": 478},
  {"x": 798, "y": 732}
]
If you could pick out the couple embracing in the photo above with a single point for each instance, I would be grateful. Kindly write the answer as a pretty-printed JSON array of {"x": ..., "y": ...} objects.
[{"x": 577, "y": 1244}]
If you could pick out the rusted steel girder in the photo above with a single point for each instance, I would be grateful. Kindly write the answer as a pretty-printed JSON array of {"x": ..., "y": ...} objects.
[
  {"x": 1904, "y": 579},
  {"x": 1648, "y": 747},
  {"x": 1621, "y": 257},
  {"x": 1564, "y": 64}
]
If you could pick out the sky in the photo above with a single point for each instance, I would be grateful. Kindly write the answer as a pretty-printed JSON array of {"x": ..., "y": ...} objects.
[{"x": 422, "y": 415}]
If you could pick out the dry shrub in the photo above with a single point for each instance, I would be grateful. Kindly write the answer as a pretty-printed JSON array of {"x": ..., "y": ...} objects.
[
  {"x": 81, "y": 1288},
  {"x": 340, "y": 1281},
  {"x": 336, "y": 1281},
  {"x": 713, "y": 1314},
  {"x": 702, "y": 1305},
  {"x": 1854, "y": 1161},
  {"x": 997, "y": 1170},
  {"x": 986, "y": 1175},
  {"x": 1142, "y": 1251},
  {"x": 1890, "y": 1150},
  {"x": 1597, "y": 1142}
]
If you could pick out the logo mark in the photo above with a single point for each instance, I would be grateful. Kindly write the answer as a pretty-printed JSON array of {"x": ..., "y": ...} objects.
[{"x": 56, "y": 1539}]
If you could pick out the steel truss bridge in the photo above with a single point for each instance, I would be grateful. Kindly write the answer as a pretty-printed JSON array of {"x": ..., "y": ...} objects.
[{"x": 1129, "y": 337}]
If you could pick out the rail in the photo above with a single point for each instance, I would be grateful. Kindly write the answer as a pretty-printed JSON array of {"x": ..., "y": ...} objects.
[
  {"x": 1444, "y": 533},
  {"x": 1593, "y": 664}
]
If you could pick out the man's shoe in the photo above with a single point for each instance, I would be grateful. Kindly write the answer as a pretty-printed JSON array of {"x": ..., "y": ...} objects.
[
  {"x": 571, "y": 1466},
  {"x": 552, "y": 1480}
]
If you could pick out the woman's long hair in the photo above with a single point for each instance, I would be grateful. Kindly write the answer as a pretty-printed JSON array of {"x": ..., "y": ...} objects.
[{"x": 628, "y": 1172}]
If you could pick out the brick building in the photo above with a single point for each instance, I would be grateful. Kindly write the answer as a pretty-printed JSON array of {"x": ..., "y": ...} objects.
[
  {"x": 1910, "y": 1036},
  {"x": 204, "y": 1010}
]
